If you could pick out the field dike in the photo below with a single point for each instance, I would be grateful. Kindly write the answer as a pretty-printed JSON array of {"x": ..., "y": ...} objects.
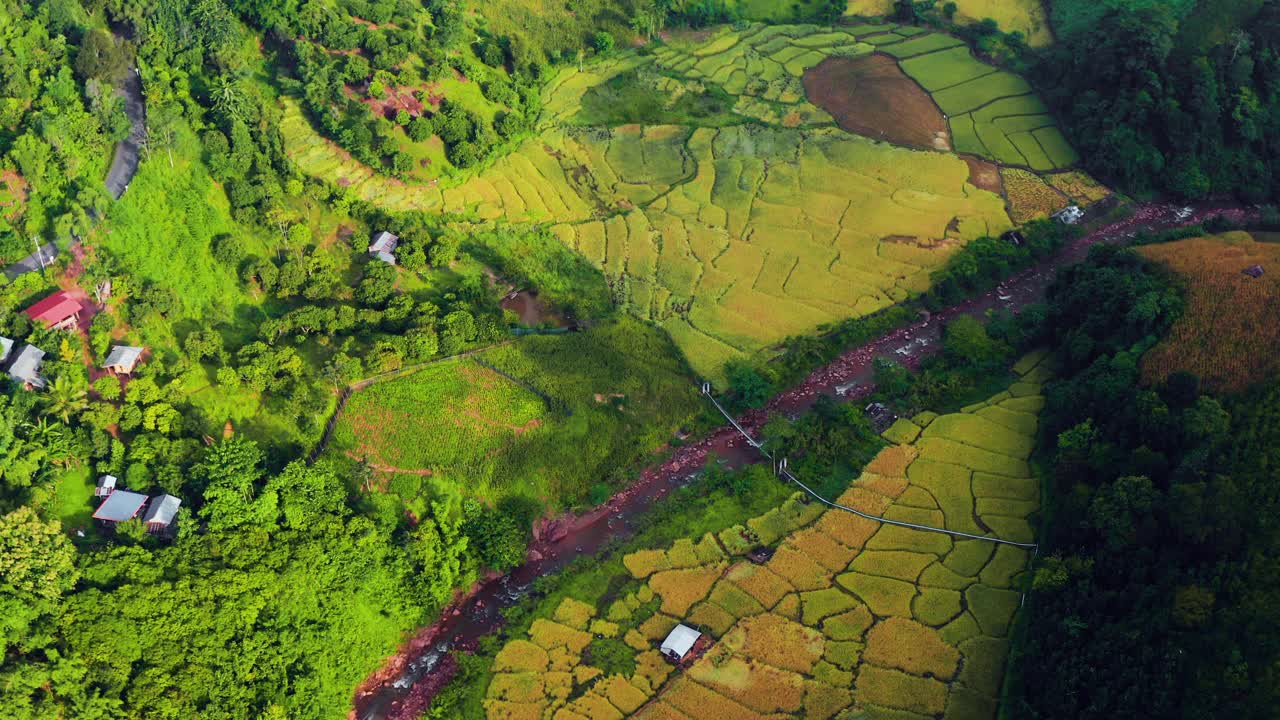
[
  {"x": 734, "y": 237},
  {"x": 848, "y": 615}
]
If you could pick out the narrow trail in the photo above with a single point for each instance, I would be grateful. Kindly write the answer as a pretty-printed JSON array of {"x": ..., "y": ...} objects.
[{"x": 403, "y": 688}]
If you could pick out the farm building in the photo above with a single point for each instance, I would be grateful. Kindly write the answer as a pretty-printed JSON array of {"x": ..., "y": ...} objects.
[
  {"x": 120, "y": 505},
  {"x": 1069, "y": 215},
  {"x": 106, "y": 486},
  {"x": 122, "y": 359},
  {"x": 679, "y": 642},
  {"x": 1254, "y": 271},
  {"x": 1014, "y": 238},
  {"x": 384, "y": 246},
  {"x": 161, "y": 514},
  {"x": 6, "y": 347},
  {"x": 26, "y": 367},
  {"x": 58, "y": 311}
]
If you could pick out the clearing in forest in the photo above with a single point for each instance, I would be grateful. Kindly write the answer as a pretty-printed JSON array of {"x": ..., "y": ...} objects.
[
  {"x": 545, "y": 417},
  {"x": 847, "y": 613},
  {"x": 1228, "y": 333}
]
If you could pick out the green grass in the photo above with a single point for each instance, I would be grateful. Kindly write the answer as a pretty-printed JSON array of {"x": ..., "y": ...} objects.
[
  {"x": 974, "y": 94},
  {"x": 582, "y": 408},
  {"x": 946, "y": 68},
  {"x": 72, "y": 500},
  {"x": 922, "y": 44},
  {"x": 160, "y": 232}
]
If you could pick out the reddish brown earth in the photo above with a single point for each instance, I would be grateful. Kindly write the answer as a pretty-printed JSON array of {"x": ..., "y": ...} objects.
[
  {"x": 871, "y": 96},
  {"x": 985, "y": 175},
  {"x": 403, "y": 688}
]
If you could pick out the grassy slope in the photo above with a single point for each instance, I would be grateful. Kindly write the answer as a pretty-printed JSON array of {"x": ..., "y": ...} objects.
[{"x": 614, "y": 393}]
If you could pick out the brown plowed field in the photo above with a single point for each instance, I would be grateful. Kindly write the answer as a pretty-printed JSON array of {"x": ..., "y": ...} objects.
[{"x": 871, "y": 96}]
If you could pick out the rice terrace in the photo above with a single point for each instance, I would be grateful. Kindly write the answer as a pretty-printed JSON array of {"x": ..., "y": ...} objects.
[
  {"x": 769, "y": 220},
  {"x": 655, "y": 359}
]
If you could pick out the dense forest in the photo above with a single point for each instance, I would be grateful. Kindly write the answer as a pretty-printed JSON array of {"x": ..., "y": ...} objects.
[
  {"x": 1179, "y": 97},
  {"x": 1152, "y": 595}
]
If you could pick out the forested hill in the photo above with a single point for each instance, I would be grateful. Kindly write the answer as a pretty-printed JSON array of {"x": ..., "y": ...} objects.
[
  {"x": 1176, "y": 96},
  {"x": 1154, "y": 593}
]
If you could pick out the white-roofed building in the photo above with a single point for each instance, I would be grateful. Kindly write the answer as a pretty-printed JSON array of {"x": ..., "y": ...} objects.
[
  {"x": 106, "y": 486},
  {"x": 679, "y": 642},
  {"x": 6, "y": 347},
  {"x": 122, "y": 359},
  {"x": 161, "y": 513},
  {"x": 26, "y": 367}
]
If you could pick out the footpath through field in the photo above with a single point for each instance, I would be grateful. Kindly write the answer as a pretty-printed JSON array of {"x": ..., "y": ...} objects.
[{"x": 404, "y": 687}]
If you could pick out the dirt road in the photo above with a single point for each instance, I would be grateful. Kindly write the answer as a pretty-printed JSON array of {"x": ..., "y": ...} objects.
[{"x": 403, "y": 688}]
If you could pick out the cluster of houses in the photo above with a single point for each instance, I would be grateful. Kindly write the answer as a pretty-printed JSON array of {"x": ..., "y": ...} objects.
[
  {"x": 158, "y": 513},
  {"x": 58, "y": 311}
]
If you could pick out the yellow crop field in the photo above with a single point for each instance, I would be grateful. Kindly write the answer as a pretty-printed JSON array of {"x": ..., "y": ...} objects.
[
  {"x": 918, "y": 630},
  {"x": 764, "y": 222}
]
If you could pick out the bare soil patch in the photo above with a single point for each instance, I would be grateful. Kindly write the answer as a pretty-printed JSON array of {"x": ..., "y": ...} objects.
[
  {"x": 985, "y": 175},
  {"x": 871, "y": 96}
]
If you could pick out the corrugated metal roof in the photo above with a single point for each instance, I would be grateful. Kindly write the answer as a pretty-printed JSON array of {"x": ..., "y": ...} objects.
[
  {"x": 26, "y": 367},
  {"x": 162, "y": 510},
  {"x": 384, "y": 242},
  {"x": 680, "y": 641},
  {"x": 123, "y": 355},
  {"x": 119, "y": 506},
  {"x": 54, "y": 309}
]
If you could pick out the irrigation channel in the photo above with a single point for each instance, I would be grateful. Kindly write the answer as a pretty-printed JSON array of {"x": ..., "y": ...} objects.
[{"x": 403, "y": 688}]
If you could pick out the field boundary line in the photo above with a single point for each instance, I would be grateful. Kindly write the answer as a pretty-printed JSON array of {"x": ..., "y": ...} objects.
[
  {"x": 877, "y": 518},
  {"x": 345, "y": 393}
]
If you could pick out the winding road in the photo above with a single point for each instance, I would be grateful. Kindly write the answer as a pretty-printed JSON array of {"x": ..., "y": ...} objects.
[{"x": 404, "y": 687}]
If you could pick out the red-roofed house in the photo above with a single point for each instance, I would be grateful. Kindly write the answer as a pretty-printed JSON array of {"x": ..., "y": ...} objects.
[{"x": 58, "y": 311}]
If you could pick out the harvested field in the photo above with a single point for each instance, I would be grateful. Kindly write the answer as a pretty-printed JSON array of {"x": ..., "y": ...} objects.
[
  {"x": 984, "y": 175},
  {"x": 1228, "y": 332},
  {"x": 871, "y": 96}
]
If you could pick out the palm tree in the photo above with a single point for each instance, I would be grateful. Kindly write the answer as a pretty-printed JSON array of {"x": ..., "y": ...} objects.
[{"x": 65, "y": 398}]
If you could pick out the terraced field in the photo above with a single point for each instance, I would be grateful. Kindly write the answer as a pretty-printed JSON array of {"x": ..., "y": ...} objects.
[
  {"x": 847, "y": 614},
  {"x": 733, "y": 237}
]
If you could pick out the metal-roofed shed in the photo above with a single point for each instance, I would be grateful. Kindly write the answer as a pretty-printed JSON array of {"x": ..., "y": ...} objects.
[
  {"x": 122, "y": 359},
  {"x": 26, "y": 367},
  {"x": 679, "y": 642},
  {"x": 161, "y": 513},
  {"x": 120, "y": 506}
]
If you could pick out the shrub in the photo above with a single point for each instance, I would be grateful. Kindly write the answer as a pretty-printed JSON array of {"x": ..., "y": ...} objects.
[
  {"x": 613, "y": 657},
  {"x": 603, "y": 42}
]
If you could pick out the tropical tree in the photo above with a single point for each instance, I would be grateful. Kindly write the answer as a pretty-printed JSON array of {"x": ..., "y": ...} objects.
[{"x": 65, "y": 398}]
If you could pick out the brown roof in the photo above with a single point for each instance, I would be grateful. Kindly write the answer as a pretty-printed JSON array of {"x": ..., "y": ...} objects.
[{"x": 54, "y": 309}]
